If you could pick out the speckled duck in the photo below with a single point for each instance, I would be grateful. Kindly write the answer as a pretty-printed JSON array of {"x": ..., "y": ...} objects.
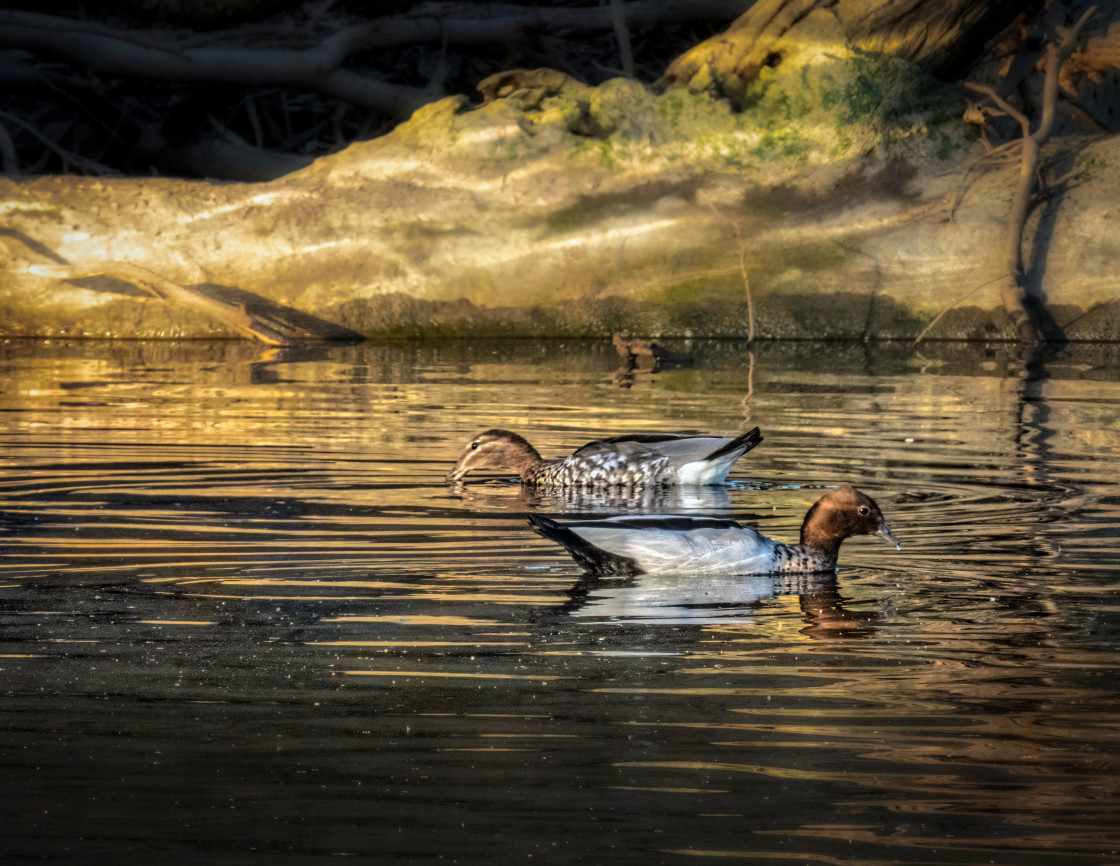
[
  {"x": 622, "y": 461},
  {"x": 700, "y": 545}
]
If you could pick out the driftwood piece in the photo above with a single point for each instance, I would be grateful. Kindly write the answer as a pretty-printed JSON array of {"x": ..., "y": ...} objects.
[{"x": 529, "y": 87}]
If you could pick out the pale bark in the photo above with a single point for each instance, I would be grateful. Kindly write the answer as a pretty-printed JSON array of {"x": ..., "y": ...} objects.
[{"x": 940, "y": 35}]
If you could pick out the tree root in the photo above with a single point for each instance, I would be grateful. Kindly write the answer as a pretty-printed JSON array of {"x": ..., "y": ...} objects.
[
  {"x": 1013, "y": 290},
  {"x": 726, "y": 63}
]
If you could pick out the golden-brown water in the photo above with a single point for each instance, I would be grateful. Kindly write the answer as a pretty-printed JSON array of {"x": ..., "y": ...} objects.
[{"x": 243, "y": 615}]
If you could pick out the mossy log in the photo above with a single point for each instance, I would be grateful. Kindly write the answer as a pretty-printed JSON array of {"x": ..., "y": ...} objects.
[{"x": 590, "y": 213}]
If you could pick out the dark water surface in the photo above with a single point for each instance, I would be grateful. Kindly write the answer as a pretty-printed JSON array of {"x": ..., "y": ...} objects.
[{"x": 242, "y": 615}]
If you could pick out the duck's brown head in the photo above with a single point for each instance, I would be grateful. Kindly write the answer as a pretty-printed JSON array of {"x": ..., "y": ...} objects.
[
  {"x": 840, "y": 514},
  {"x": 496, "y": 449}
]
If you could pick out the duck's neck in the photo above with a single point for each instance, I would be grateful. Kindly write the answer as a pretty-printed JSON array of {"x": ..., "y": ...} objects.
[
  {"x": 821, "y": 534},
  {"x": 800, "y": 558},
  {"x": 525, "y": 460}
]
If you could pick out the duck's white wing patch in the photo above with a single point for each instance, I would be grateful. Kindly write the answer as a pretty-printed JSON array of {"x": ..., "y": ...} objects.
[
  {"x": 701, "y": 551},
  {"x": 706, "y": 471}
]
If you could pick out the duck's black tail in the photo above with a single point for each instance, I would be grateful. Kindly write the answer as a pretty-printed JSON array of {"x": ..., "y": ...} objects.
[
  {"x": 741, "y": 444},
  {"x": 594, "y": 559}
]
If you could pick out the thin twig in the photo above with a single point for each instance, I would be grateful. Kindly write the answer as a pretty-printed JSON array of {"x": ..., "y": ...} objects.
[
  {"x": 85, "y": 163},
  {"x": 963, "y": 297},
  {"x": 742, "y": 269},
  {"x": 622, "y": 34},
  {"x": 1003, "y": 104},
  {"x": 746, "y": 401},
  {"x": 9, "y": 160},
  {"x": 995, "y": 156}
]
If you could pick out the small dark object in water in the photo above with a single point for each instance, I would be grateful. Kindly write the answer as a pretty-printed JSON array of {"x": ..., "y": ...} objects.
[{"x": 631, "y": 348}]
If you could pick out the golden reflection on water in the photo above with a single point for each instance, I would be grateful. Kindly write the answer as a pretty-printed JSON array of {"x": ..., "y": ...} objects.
[
  {"x": 472, "y": 675},
  {"x": 251, "y": 564},
  {"x": 414, "y": 619},
  {"x": 414, "y": 643}
]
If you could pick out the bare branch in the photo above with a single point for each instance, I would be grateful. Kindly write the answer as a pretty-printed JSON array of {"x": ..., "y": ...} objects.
[
  {"x": 622, "y": 34},
  {"x": 1003, "y": 104},
  {"x": 85, "y": 163},
  {"x": 1063, "y": 40},
  {"x": 956, "y": 301},
  {"x": 1057, "y": 51},
  {"x": 314, "y": 69},
  {"x": 9, "y": 160}
]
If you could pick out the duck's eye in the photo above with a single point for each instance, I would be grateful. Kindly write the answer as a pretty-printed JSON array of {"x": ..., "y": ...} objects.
[
  {"x": 864, "y": 510},
  {"x": 474, "y": 446}
]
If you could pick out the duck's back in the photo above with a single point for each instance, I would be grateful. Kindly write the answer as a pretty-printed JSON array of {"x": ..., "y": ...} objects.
[
  {"x": 626, "y": 463},
  {"x": 677, "y": 449},
  {"x": 641, "y": 459}
]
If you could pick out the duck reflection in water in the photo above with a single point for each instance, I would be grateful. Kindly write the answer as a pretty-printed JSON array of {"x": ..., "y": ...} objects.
[
  {"x": 659, "y": 599},
  {"x": 503, "y": 495}
]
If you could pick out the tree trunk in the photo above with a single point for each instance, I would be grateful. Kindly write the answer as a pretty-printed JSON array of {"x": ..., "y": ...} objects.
[{"x": 942, "y": 36}]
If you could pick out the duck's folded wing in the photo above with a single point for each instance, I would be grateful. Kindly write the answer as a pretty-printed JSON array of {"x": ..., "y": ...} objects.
[
  {"x": 705, "y": 546},
  {"x": 631, "y": 443}
]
